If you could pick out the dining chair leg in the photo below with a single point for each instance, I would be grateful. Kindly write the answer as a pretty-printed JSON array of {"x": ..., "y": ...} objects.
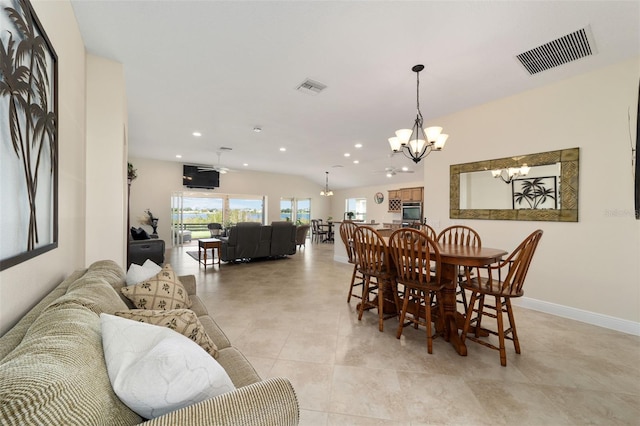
[
  {"x": 353, "y": 280},
  {"x": 501, "y": 347},
  {"x": 467, "y": 317},
  {"x": 480, "y": 312},
  {"x": 417, "y": 302},
  {"x": 365, "y": 297},
  {"x": 427, "y": 309},
  {"x": 512, "y": 324},
  {"x": 382, "y": 287},
  {"x": 403, "y": 312}
]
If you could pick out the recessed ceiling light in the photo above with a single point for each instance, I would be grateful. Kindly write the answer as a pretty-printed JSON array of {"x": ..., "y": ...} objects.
[
  {"x": 245, "y": 164},
  {"x": 358, "y": 145},
  {"x": 283, "y": 149},
  {"x": 178, "y": 156},
  {"x": 346, "y": 154},
  {"x": 356, "y": 162},
  {"x": 196, "y": 134},
  {"x": 257, "y": 129}
]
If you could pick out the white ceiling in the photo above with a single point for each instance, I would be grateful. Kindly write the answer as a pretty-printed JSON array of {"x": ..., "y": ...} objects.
[{"x": 224, "y": 67}]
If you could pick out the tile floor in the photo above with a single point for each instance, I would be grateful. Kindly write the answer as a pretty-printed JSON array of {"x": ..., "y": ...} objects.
[{"x": 290, "y": 318}]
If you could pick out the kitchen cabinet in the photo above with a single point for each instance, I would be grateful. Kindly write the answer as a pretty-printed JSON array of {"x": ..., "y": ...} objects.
[
  {"x": 411, "y": 194},
  {"x": 403, "y": 195},
  {"x": 395, "y": 201}
]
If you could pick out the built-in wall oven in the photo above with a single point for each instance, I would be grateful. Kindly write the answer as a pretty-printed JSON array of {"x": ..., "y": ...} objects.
[{"x": 412, "y": 212}]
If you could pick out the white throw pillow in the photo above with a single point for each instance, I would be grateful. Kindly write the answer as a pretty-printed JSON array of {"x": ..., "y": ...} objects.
[
  {"x": 155, "y": 370},
  {"x": 138, "y": 273}
]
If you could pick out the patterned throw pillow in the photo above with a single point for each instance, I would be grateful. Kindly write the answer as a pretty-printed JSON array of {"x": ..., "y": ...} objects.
[
  {"x": 184, "y": 321},
  {"x": 164, "y": 291}
]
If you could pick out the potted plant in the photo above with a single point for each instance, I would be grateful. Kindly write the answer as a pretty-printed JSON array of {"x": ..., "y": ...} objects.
[{"x": 350, "y": 215}]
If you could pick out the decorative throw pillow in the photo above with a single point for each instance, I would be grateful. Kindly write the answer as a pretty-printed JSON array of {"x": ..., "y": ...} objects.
[
  {"x": 154, "y": 370},
  {"x": 184, "y": 321},
  {"x": 138, "y": 273},
  {"x": 163, "y": 291}
]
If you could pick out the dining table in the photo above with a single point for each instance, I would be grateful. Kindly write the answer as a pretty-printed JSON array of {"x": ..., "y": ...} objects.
[
  {"x": 329, "y": 227},
  {"x": 453, "y": 256}
]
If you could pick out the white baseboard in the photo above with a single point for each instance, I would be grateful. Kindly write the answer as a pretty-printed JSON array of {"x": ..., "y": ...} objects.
[{"x": 606, "y": 321}]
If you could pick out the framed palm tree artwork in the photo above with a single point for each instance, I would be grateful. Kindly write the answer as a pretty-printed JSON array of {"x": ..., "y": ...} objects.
[
  {"x": 28, "y": 136},
  {"x": 535, "y": 193}
]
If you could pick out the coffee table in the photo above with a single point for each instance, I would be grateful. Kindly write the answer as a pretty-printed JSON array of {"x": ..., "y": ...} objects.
[{"x": 209, "y": 243}]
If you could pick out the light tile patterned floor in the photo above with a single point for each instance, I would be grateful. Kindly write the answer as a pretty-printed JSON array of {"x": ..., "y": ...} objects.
[{"x": 290, "y": 318}]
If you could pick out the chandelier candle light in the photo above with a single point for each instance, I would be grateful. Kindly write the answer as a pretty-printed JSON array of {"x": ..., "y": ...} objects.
[
  {"x": 326, "y": 191},
  {"x": 417, "y": 143},
  {"x": 507, "y": 175}
]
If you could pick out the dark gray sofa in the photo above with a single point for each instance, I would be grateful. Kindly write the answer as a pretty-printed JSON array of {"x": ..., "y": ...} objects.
[
  {"x": 251, "y": 240},
  {"x": 141, "y": 250}
]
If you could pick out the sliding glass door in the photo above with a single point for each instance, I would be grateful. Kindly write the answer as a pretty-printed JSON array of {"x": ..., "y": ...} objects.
[{"x": 193, "y": 211}]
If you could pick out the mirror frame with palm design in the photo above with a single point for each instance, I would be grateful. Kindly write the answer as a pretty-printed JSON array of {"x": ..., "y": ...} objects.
[{"x": 569, "y": 177}]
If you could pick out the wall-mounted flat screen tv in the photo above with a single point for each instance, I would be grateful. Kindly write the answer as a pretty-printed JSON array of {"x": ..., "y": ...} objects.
[{"x": 200, "y": 177}]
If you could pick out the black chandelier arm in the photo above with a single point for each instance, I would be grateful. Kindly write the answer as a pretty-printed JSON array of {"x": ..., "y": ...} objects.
[{"x": 406, "y": 150}]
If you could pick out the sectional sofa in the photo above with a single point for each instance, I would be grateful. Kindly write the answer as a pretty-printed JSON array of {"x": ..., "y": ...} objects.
[
  {"x": 251, "y": 240},
  {"x": 54, "y": 368}
]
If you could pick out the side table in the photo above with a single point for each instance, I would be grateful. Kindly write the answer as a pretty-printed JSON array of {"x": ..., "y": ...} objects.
[{"x": 209, "y": 243}]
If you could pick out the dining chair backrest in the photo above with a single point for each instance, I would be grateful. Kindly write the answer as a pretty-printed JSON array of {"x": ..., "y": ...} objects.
[
  {"x": 515, "y": 267},
  {"x": 431, "y": 233},
  {"x": 347, "y": 229},
  {"x": 415, "y": 255},
  {"x": 460, "y": 235},
  {"x": 371, "y": 250}
]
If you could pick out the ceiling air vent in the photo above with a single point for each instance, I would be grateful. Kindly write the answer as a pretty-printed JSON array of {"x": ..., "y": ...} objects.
[
  {"x": 557, "y": 52},
  {"x": 311, "y": 87}
]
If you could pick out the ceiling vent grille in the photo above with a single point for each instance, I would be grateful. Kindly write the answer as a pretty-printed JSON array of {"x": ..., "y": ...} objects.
[
  {"x": 311, "y": 87},
  {"x": 568, "y": 48}
]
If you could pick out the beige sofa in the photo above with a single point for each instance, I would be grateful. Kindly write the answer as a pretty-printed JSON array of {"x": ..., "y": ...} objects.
[{"x": 52, "y": 367}]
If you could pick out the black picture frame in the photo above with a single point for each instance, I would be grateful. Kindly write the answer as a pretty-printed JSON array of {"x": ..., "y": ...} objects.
[
  {"x": 28, "y": 136},
  {"x": 636, "y": 172}
]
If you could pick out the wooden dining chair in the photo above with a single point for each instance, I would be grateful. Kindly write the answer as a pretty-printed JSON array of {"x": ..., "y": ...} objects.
[
  {"x": 317, "y": 233},
  {"x": 431, "y": 233},
  {"x": 376, "y": 266},
  {"x": 464, "y": 236},
  {"x": 347, "y": 231},
  {"x": 502, "y": 281},
  {"x": 418, "y": 270}
]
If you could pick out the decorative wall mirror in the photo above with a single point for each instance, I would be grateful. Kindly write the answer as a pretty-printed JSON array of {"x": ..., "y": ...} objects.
[{"x": 542, "y": 186}]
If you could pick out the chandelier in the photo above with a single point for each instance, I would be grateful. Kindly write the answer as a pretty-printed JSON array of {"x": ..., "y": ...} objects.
[
  {"x": 509, "y": 174},
  {"x": 417, "y": 143},
  {"x": 326, "y": 191}
]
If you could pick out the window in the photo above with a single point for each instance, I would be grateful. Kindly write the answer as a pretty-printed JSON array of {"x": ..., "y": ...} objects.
[
  {"x": 193, "y": 211},
  {"x": 295, "y": 210},
  {"x": 245, "y": 210},
  {"x": 357, "y": 206},
  {"x": 286, "y": 209}
]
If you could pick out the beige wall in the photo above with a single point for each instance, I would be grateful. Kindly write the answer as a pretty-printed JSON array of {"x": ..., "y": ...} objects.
[
  {"x": 106, "y": 157},
  {"x": 590, "y": 269},
  {"x": 23, "y": 285},
  {"x": 157, "y": 180}
]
